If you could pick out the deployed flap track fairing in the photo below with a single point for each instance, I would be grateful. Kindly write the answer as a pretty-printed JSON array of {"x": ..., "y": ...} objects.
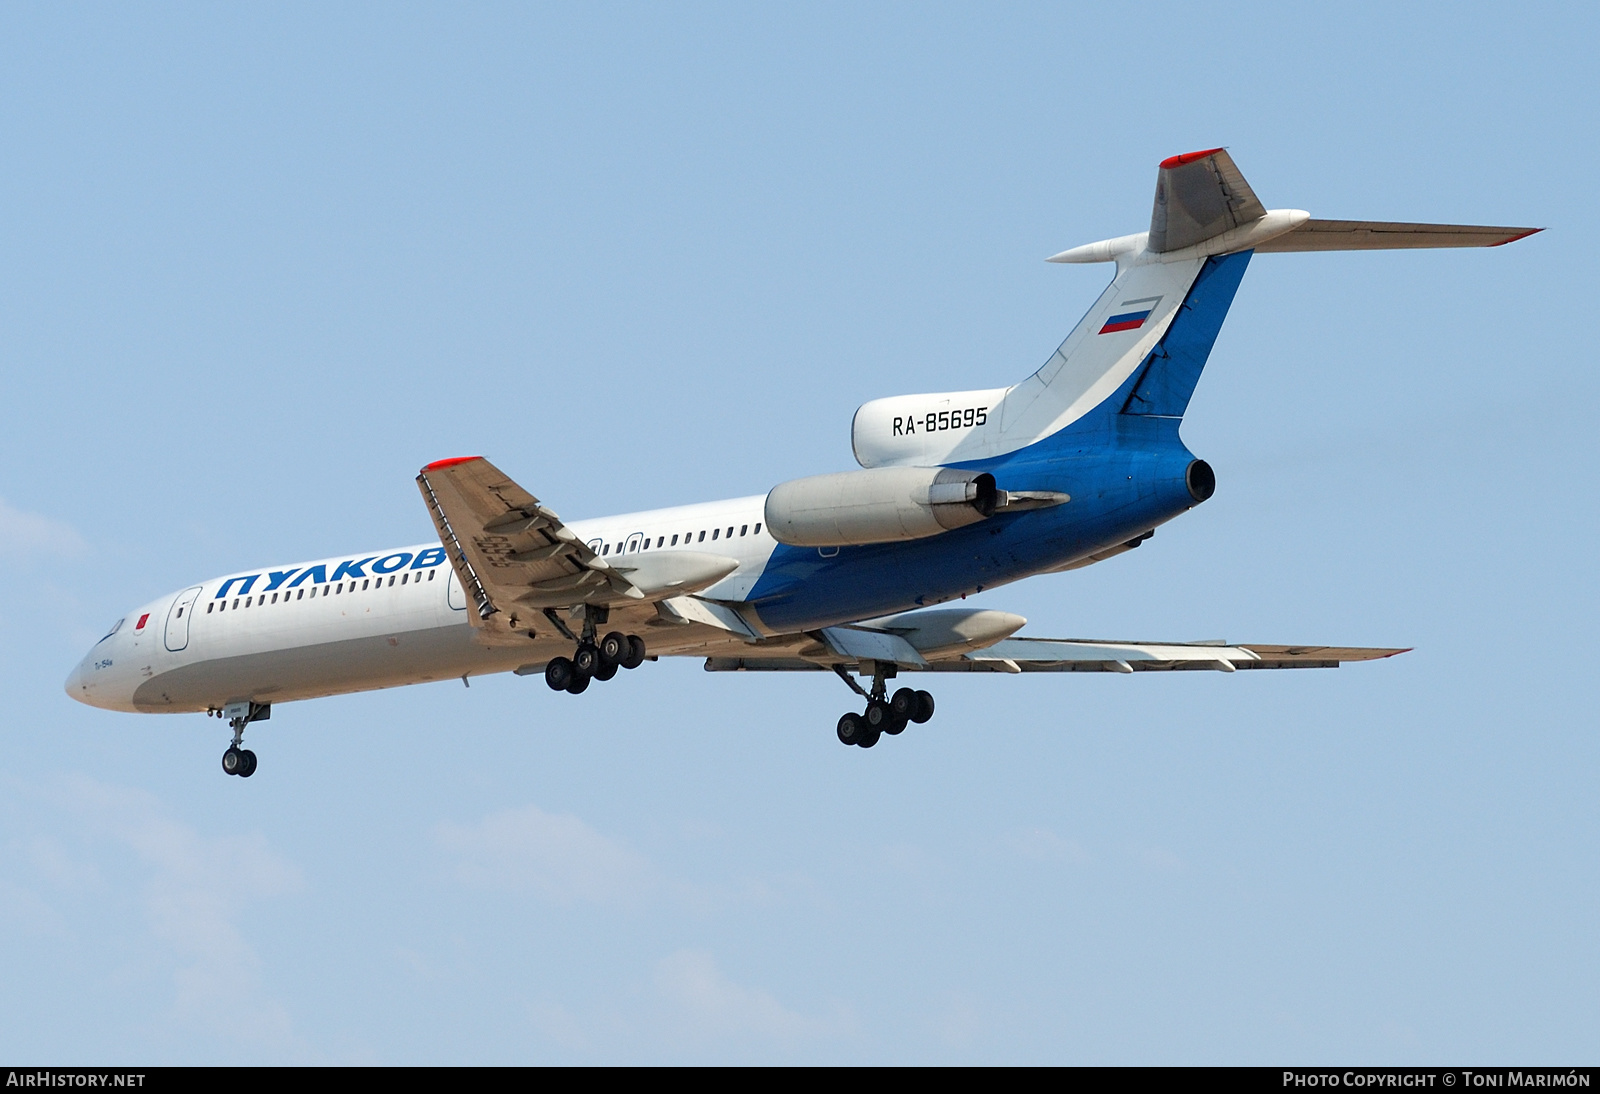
[{"x": 957, "y": 492}]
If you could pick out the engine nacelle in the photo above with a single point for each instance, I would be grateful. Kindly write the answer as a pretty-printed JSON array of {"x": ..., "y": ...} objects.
[{"x": 877, "y": 505}]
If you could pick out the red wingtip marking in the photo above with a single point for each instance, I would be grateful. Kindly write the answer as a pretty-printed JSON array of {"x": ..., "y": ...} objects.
[
  {"x": 1513, "y": 239},
  {"x": 1187, "y": 157},
  {"x": 436, "y": 464}
]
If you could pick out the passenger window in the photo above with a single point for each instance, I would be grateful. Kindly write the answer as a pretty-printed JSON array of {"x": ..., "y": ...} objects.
[
  {"x": 209, "y": 607},
  {"x": 274, "y": 600},
  {"x": 660, "y": 540},
  {"x": 605, "y": 549},
  {"x": 714, "y": 532},
  {"x": 702, "y": 537},
  {"x": 674, "y": 541},
  {"x": 758, "y": 528},
  {"x": 364, "y": 585},
  {"x": 247, "y": 601},
  {"x": 730, "y": 531},
  {"x": 430, "y": 575},
  {"x": 302, "y": 595},
  {"x": 402, "y": 579},
  {"x": 743, "y": 528},
  {"x": 391, "y": 580},
  {"x": 236, "y": 602}
]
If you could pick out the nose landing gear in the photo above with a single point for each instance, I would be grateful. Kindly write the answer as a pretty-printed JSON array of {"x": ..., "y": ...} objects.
[
  {"x": 882, "y": 715},
  {"x": 241, "y": 761}
]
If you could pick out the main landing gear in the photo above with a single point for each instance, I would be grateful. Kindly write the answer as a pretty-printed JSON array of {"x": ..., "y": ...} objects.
[
  {"x": 593, "y": 660},
  {"x": 241, "y": 761},
  {"x": 883, "y": 715}
]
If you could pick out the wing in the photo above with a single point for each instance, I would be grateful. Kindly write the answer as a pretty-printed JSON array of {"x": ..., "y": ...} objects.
[
  {"x": 901, "y": 642},
  {"x": 516, "y": 559}
]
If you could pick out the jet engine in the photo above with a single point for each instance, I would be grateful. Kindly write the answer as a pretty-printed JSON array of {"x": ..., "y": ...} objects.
[{"x": 878, "y": 505}]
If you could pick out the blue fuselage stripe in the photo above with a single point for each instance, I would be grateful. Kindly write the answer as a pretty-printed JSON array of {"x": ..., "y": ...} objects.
[{"x": 1122, "y": 463}]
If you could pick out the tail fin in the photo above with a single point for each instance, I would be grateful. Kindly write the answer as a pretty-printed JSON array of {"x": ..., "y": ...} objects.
[
  {"x": 1141, "y": 347},
  {"x": 1200, "y": 195}
]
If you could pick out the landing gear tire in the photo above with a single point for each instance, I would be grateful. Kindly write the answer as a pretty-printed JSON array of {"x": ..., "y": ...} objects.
[
  {"x": 903, "y": 705},
  {"x": 615, "y": 647},
  {"x": 578, "y": 684},
  {"x": 249, "y": 767},
  {"x": 851, "y": 729},
  {"x": 233, "y": 761},
  {"x": 636, "y": 652},
  {"x": 877, "y": 716},
  {"x": 869, "y": 738},
  {"x": 924, "y": 708},
  {"x": 586, "y": 660},
  {"x": 558, "y": 674},
  {"x": 607, "y": 669}
]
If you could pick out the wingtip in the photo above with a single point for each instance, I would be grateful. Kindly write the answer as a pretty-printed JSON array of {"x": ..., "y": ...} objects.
[
  {"x": 1188, "y": 157},
  {"x": 1524, "y": 234},
  {"x": 451, "y": 462}
]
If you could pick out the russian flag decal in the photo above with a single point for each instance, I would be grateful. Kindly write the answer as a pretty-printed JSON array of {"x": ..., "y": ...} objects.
[{"x": 1131, "y": 315}]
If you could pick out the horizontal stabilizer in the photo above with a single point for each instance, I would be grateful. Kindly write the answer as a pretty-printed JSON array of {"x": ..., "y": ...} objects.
[{"x": 1377, "y": 235}]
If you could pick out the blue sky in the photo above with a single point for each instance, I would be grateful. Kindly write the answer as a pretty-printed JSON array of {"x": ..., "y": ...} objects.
[{"x": 261, "y": 263}]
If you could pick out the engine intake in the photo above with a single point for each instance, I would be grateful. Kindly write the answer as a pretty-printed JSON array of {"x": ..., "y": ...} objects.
[{"x": 878, "y": 505}]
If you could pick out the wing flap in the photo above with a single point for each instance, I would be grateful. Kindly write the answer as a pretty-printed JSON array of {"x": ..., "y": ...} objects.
[
  {"x": 709, "y": 613},
  {"x": 858, "y": 645}
]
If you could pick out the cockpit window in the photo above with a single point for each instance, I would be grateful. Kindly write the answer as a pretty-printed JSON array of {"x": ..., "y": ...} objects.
[{"x": 115, "y": 627}]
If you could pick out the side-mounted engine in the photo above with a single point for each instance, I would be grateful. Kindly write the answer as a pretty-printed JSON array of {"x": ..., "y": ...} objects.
[{"x": 878, "y": 505}]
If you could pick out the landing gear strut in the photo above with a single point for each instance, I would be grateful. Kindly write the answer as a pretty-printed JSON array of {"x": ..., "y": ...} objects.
[
  {"x": 594, "y": 659},
  {"x": 882, "y": 715},
  {"x": 241, "y": 761}
]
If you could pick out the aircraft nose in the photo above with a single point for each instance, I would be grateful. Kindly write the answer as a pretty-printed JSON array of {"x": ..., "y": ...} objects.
[{"x": 75, "y": 686}]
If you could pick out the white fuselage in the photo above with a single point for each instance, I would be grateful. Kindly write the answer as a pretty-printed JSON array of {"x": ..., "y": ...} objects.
[{"x": 358, "y": 622}]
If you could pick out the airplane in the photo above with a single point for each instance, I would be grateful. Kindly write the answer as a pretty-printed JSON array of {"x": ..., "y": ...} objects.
[{"x": 956, "y": 493}]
